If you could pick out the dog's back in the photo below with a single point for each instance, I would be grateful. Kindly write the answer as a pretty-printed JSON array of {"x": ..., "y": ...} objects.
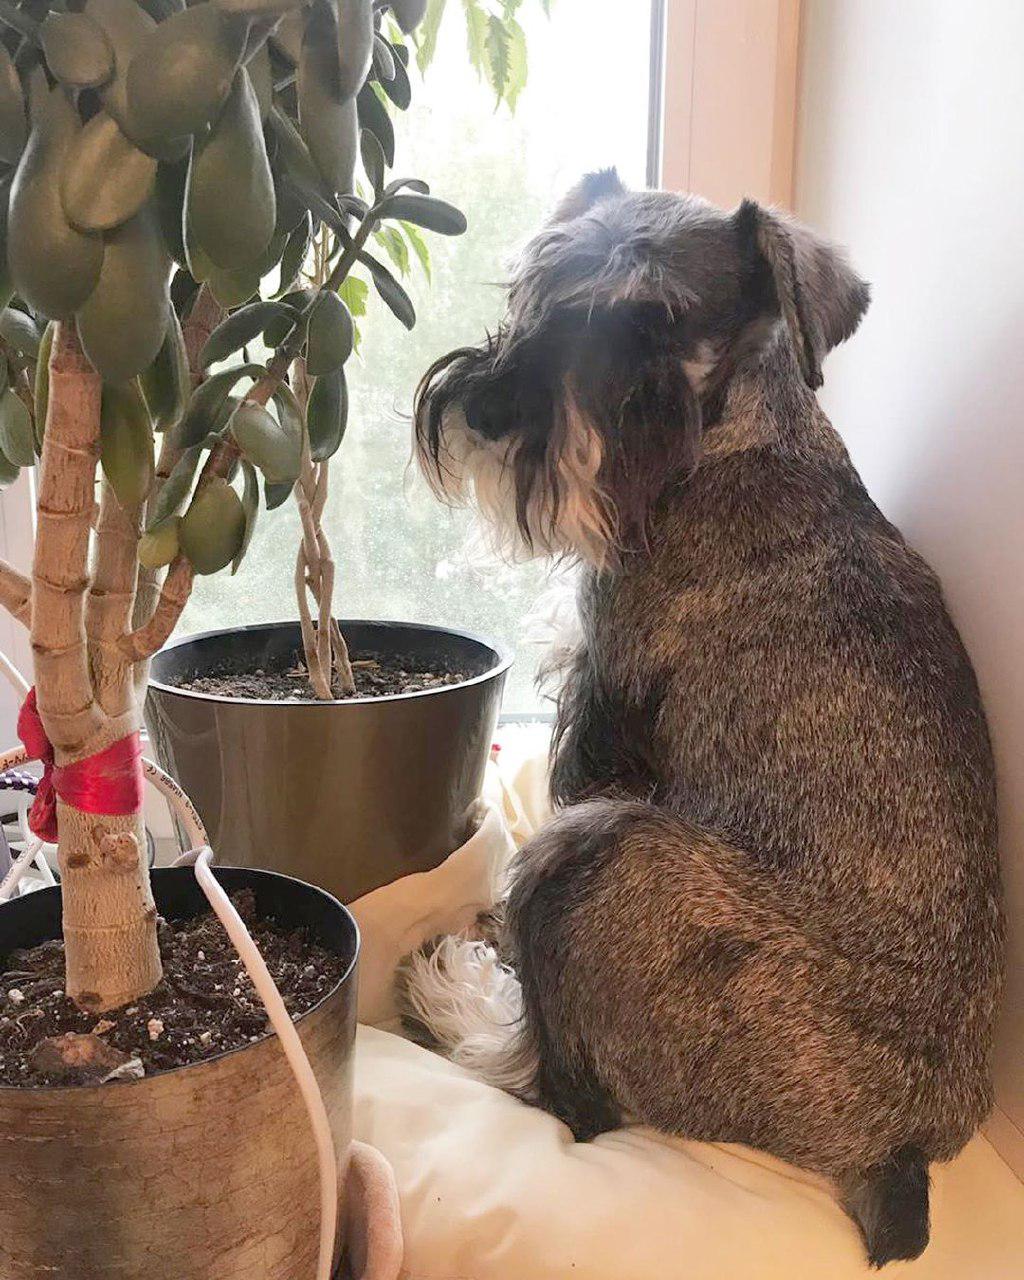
[
  {"x": 768, "y": 911},
  {"x": 781, "y": 671}
]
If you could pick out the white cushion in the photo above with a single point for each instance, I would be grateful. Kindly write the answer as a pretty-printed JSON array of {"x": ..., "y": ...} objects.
[
  {"x": 494, "y": 1190},
  {"x": 399, "y": 917}
]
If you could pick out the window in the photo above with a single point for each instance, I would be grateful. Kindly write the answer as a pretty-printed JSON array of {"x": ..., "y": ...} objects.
[{"x": 400, "y": 554}]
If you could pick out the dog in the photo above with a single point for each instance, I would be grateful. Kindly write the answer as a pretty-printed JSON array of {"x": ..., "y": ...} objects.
[{"x": 768, "y": 908}]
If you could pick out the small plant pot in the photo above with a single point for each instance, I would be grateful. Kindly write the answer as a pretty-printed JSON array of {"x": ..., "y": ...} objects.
[
  {"x": 349, "y": 795},
  {"x": 208, "y": 1172}
]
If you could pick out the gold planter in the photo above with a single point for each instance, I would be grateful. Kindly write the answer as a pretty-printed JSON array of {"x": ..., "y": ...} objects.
[{"x": 208, "y": 1172}]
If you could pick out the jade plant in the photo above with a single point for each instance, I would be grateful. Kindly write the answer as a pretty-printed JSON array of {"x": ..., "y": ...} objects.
[
  {"x": 496, "y": 46},
  {"x": 166, "y": 174}
]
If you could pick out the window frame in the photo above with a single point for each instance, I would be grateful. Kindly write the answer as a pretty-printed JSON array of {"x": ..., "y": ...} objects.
[{"x": 729, "y": 102}]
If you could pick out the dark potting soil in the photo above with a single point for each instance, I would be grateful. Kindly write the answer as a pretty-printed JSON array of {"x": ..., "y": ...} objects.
[
  {"x": 204, "y": 1006},
  {"x": 376, "y": 675}
]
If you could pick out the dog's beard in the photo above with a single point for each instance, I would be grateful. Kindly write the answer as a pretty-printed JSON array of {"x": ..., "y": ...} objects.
[{"x": 550, "y": 505}]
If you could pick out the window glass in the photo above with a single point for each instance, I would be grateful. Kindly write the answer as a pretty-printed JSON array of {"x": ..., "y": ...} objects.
[{"x": 399, "y": 553}]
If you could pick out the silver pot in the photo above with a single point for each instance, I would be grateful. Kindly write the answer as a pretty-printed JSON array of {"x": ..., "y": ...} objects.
[{"x": 349, "y": 795}]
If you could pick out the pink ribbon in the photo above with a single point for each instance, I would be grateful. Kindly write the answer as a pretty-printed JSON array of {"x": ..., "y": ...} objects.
[{"x": 109, "y": 782}]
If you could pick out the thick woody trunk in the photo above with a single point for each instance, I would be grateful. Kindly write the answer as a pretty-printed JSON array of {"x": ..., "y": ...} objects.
[
  {"x": 85, "y": 692},
  {"x": 109, "y": 916}
]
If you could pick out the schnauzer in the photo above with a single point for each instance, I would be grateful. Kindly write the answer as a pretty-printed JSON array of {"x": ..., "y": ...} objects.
[{"x": 767, "y": 910}]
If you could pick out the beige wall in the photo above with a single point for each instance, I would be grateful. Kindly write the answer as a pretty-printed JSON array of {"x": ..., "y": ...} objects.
[
  {"x": 730, "y": 80},
  {"x": 910, "y": 149},
  {"x": 15, "y": 546}
]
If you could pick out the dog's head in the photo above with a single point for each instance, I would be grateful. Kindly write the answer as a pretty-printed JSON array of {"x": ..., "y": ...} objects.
[{"x": 628, "y": 314}]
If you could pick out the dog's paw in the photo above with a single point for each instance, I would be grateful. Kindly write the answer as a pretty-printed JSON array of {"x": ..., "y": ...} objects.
[{"x": 408, "y": 976}]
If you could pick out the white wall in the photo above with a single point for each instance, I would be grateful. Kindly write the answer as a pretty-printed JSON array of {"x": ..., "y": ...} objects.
[
  {"x": 16, "y": 547},
  {"x": 910, "y": 150}
]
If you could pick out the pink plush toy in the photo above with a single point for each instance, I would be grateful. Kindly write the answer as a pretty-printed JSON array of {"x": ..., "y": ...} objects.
[{"x": 374, "y": 1227}]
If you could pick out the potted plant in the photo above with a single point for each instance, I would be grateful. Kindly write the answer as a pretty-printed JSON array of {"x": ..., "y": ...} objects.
[
  {"x": 346, "y": 753},
  {"x": 150, "y": 1126}
]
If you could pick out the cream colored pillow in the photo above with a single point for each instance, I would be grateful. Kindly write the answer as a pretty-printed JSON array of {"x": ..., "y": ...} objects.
[
  {"x": 401, "y": 916},
  {"x": 494, "y": 1190}
]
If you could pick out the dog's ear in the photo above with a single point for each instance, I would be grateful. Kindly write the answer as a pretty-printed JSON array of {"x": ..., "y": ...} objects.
[
  {"x": 820, "y": 296},
  {"x": 605, "y": 184}
]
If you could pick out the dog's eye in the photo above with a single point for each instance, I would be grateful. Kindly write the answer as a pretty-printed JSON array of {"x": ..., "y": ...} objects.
[{"x": 487, "y": 418}]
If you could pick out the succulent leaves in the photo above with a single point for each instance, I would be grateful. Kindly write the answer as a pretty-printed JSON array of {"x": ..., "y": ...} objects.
[
  {"x": 125, "y": 24},
  {"x": 17, "y": 443},
  {"x": 123, "y": 321},
  {"x": 229, "y": 145},
  {"x": 54, "y": 267},
  {"x": 327, "y": 415},
  {"x": 409, "y": 13},
  {"x": 126, "y": 443},
  {"x": 166, "y": 383},
  {"x": 275, "y": 447},
  {"x": 327, "y": 116},
  {"x": 183, "y": 72},
  {"x": 175, "y": 490},
  {"x": 331, "y": 334},
  {"x": 159, "y": 545},
  {"x": 77, "y": 50},
  {"x": 250, "y": 510},
  {"x": 230, "y": 205},
  {"x": 13, "y": 119},
  {"x": 355, "y": 44},
  {"x": 212, "y": 531},
  {"x": 105, "y": 179}
]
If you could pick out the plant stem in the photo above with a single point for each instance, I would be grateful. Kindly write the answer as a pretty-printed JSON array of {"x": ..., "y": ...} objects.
[
  {"x": 109, "y": 603},
  {"x": 308, "y": 566},
  {"x": 326, "y": 653},
  {"x": 147, "y": 638},
  {"x": 151, "y": 632},
  {"x": 324, "y": 648},
  {"x": 60, "y": 570}
]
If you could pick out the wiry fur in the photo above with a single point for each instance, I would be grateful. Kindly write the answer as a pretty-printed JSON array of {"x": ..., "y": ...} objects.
[
  {"x": 568, "y": 512},
  {"x": 769, "y": 909},
  {"x": 460, "y": 996}
]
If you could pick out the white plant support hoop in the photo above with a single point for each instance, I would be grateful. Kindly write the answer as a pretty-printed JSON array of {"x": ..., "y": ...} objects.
[
  {"x": 14, "y": 677},
  {"x": 200, "y": 857},
  {"x": 280, "y": 1020},
  {"x": 33, "y": 852}
]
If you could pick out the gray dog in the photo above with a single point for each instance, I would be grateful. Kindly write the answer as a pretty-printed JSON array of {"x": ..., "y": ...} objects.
[{"x": 768, "y": 909}]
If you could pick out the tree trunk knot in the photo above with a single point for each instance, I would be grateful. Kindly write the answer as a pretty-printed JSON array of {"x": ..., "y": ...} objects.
[{"x": 120, "y": 848}]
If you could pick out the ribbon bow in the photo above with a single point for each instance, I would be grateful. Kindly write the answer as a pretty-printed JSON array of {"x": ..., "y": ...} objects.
[{"x": 109, "y": 782}]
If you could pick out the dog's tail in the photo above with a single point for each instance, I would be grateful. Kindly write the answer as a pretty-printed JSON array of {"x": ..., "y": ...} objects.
[
  {"x": 457, "y": 996},
  {"x": 889, "y": 1202}
]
